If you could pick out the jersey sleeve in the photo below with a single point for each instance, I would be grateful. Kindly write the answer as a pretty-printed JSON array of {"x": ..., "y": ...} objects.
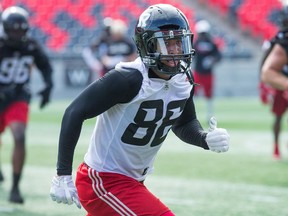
[
  {"x": 188, "y": 128},
  {"x": 43, "y": 64},
  {"x": 216, "y": 52},
  {"x": 115, "y": 87}
]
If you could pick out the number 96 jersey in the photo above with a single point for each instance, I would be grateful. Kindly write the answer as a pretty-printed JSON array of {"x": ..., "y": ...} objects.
[
  {"x": 16, "y": 64},
  {"x": 128, "y": 136}
]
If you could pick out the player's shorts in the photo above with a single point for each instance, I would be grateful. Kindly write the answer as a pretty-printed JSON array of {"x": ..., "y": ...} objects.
[
  {"x": 280, "y": 104},
  {"x": 206, "y": 83},
  {"x": 103, "y": 193},
  {"x": 17, "y": 111}
]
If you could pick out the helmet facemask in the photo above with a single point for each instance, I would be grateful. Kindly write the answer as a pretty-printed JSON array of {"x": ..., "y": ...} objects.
[
  {"x": 15, "y": 25},
  {"x": 169, "y": 51},
  {"x": 17, "y": 33}
]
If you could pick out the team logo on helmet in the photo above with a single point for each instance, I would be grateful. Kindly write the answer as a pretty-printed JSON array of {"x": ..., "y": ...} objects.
[{"x": 143, "y": 20}]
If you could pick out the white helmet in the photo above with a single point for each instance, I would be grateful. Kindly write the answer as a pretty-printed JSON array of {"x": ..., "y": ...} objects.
[
  {"x": 202, "y": 26},
  {"x": 118, "y": 27}
]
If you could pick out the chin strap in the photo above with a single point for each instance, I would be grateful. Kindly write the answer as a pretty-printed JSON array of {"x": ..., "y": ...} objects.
[
  {"x": 180, "y": 67},
  {"x": 189, "y": 76}
]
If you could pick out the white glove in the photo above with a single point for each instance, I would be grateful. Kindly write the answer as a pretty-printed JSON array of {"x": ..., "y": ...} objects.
[
  {"x": 63, "y": 190},
  {"x": 217, "y": 138}
]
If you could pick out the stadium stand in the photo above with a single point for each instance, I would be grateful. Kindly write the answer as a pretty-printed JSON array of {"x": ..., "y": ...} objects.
[
  {"x": 66, "y": 26},
  {"x": 257, "y": 17},
  {"x": 258, "y": 22}
]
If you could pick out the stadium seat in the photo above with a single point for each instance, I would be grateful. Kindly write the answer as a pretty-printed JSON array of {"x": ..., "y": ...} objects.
[{"x": 65, "y": 23}]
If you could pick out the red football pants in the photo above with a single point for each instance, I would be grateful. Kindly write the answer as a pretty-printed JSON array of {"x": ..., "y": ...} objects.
[{"x": 112, "y": 194}]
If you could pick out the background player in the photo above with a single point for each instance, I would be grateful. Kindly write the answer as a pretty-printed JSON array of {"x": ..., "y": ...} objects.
[
  {"x": 274, "y": 76},
  {"x": 207, "y": 55},
  {"x": 91, "y": 54},
  {"x": 18, "y": 54},
  {"x": 113, "y": 47},
  {"x": 1, "y": 32}
]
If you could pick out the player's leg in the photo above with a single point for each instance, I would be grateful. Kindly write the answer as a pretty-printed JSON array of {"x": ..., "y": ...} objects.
[
  {"x": 207, "y": 83},
  {"x": 2, "y": 128},
  {"x": 113, "y": 194},
  {"x": 276, "y": 132},
  {"x": 18, "y": 158},
  {"x": 1, "y": 173},
  {"x": 278, "y": 109},
  {"x": 16, "y": 118}
]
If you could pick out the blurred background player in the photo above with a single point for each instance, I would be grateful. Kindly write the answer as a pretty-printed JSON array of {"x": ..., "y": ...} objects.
[
  {"x": 111, "y": 48},
  {"x": 207, "y": 55},
  {"x": 1, "y": 32},
  {"x": 18, "y": 55},
  {"x": 274, "y": 76},
  {"x": 91, "y": 55},
  {"x": 1, "y": 28}
]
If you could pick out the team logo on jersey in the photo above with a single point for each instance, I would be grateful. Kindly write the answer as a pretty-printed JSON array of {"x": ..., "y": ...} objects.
[{"x": 145, "y": 171}]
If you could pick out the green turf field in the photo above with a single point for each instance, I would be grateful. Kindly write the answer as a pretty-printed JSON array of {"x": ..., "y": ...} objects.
[{"x": 245, "y": 181}]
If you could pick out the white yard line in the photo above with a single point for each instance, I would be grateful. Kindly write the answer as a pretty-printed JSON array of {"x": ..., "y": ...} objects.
[{"x": 6, "y": 209}]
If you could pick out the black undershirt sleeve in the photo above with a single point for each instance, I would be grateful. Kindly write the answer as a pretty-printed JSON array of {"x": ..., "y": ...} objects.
[
  {"x": 115, "y": 87},
  {"x": 43, "y": 64},
  {"x": 188, "y": 128}
]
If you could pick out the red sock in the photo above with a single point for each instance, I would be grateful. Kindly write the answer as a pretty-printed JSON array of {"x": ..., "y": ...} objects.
[
  {"x": 276, "y": 149},
  {"x": 276, "y": 154}
]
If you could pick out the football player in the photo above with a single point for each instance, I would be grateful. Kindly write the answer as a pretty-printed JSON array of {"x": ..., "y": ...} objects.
[
  {"x": 277, "y": 59},
  {"x": 206, "y": 58},
  {"x": 18, "y": 54},
  {"x": 1, "y": 30},
  {"x": 275, "y": 76},
  {"x": 115, "y": 46},
  {"x": 136, "y": 105}
]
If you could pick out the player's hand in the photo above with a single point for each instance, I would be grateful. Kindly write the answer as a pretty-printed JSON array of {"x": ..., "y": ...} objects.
[
  {"x": 64, "y": 191},
  {"x": 217, "y": 138},
  {"x": 45, "y": 94}
]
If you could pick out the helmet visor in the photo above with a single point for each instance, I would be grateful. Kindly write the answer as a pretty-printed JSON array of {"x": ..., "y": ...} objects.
[
  {"x": 173, "y": 42},
  {"x": 16, "y": 31}
]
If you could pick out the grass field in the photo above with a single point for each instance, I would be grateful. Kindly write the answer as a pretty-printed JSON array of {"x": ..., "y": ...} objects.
[{"x": 245, "y": 181}]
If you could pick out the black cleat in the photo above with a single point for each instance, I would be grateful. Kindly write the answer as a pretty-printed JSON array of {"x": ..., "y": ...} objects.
[
  {"x": 15, "y": 197},
  {"x": 1, "y": 176}
]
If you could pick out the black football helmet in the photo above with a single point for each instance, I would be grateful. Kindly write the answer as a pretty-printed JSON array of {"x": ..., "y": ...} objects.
[
  {"x": 156, "y": 26},
  {"x": 283, "y": 18},
  {"x": 15, "y": 24}
]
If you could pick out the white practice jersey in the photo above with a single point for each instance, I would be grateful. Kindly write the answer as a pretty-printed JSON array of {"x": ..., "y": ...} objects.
[{"x": 128, "y": 136}]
